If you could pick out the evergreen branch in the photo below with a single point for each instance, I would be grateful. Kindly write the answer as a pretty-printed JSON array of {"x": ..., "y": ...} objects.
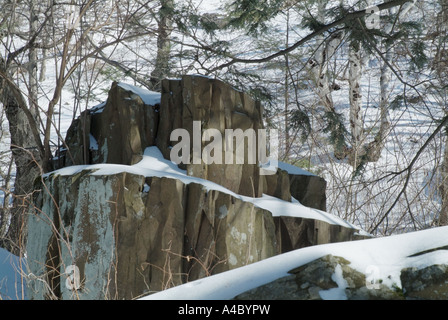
[{"x": 349, "y": 17}]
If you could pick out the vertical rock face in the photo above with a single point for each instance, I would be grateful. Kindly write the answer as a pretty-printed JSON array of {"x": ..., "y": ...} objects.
[
  {"x": 128, "y": 122},
  {"x": 295, "y": 233},
  {"x": 216, "y": 105},
  {"x": 122, "y": 234},
  {"x": 117, "y": 131},
  {"x": 70, "y": 231},
  {"x": 126, "y": 241},
  {"x": 308, "y": 189}
]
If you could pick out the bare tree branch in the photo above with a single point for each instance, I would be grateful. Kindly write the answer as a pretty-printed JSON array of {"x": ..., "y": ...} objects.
[{"x": 408, "y": 170}]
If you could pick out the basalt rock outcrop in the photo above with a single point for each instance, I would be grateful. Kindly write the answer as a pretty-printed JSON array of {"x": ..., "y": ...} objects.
[
  {"x": 117, "y": 131},
  {"x": 217, "y": 106},
  {"x": 123, "y": 234}
]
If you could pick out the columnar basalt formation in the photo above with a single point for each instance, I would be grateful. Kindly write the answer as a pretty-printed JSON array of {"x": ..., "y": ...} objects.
[{"x": 123, "y": 233}]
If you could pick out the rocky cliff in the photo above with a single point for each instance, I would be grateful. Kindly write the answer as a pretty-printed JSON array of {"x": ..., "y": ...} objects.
[{"x": 119, "y": 219}]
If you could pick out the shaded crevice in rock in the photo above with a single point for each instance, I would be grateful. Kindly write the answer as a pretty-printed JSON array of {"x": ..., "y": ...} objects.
[{"x": 294, "y": 233}]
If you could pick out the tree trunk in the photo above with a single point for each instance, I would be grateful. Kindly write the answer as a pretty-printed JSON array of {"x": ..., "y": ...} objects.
[
  {"x": 443, "y": 216},
  {"x": 443, "y": 74},
  {"x": 356, "y": 121},
  {"x": 162, "y": 65},
  {"x": 5, "y": 214},
  {"x": 32, "y": 65},
  {"x": 26, "y": 152},
  {"x": 318, "y": 66},
  {"x": 375, "y": 147},
  {"x": 287, "y": 139}
]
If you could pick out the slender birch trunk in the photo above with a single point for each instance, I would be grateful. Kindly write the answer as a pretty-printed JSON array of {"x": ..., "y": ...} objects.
[
  {"x": 32, "y": 64},
  {"x": 318, "y": 66},
  {"x": 375, "y": 147},
  {"x": 356, "y": 119},
  {"x": 287, "y": 138}
]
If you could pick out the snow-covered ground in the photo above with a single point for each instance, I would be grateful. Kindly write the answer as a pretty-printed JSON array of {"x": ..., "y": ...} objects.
[
  {"x": 386, "y": 256},
  {"x": 12, "y": 280}
]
